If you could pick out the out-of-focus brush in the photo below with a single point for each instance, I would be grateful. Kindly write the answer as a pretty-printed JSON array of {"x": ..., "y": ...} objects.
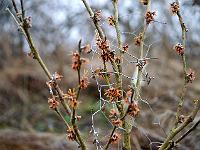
[{"x": 4, "y": 4}]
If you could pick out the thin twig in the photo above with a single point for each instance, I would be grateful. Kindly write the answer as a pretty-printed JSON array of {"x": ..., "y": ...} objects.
[
  {"x": 184, "y": 88},
  {"x": 188, "y": 132},
  {"x": 175, "y": 131},
  {"x": 109, "y": 141}
]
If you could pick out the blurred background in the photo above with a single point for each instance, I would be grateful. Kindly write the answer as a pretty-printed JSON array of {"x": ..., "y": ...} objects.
[{"x": 26, "y": 122}]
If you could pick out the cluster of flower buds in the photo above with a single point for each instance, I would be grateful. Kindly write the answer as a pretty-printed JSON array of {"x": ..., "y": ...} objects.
[
  {"x": 53, "y": 103},
  {"x": 175, "y": 8},
  {"x": 115, "y": 138},
  {"x": 138, "y": 39},
  {"x": 190, "y": 76},
  {"x": 71, "y": 134},
  {"x": 77, "y": 61},
  {"x": 141, "y": 63},
  {"x": 84, "y": 81},
  {"x": 179, "y": 49},
  {"x": 111, "y": 21},
  {"x": 133, "y": 109},
  {"x": 114, "y": 115},
  {"x": 125, "y": 48},
  {"x": 27, "y": 23},
  {"x": 150, "y": 16},
  {"x": 97, "y": 16},
  {"x": 71, "y": 97},
  {"x": 113, "y": 94},
  {"x": 104, "y": 45}
]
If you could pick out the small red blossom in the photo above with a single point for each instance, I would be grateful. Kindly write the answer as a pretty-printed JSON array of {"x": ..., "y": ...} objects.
[
  {"x": 111, "y": 21},
  {"x": 71, "y": 134},
  {"x": 104, "y": 45},
  {"x": 84, "y": 81},
  {"x": 133, "y": 109},
  {"x": 125, "y": 48},
  {"x": 71, "y": 97},
  {"x": 113, "y": 94},
  {"x": 150, "y": 16},
  {"x": 53, "y": 103},
  {"x": 117, "y": 122},
  {"x": 175, "y": 8},
  {"x": 97, "y": 16},
  {"x": 76, "y": 63},
  {"x": 115, "y": 138},
  {"x": 190, "y": 76},
  {"x": 138, "y": 39},
  {"x": 179, "y": 49}
]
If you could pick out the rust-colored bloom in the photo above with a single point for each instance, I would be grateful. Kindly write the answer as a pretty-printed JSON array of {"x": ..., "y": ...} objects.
[
  {"x": 104, "y": 45},
  {"x": 190, "y": 76},
  {"x": 133, "y": 109},
  {"x": 76, "y": 63},
  {"x": 84, "y": 81},
  {"x": 175, "y": 8},
  {"x": 71, "y": 94},
  {"x": 150, "y": 16},
  {"x": 115, "y": 138},
  {"x": 141, "y": 63},
  {"x": 125, "y": 48},
  {"x": 71, "y": 134},
  {"x": 97, "y": 16},
  {"x": 113, "y": 94},
  {"x": 107, "y": 55},
  {"x": 138, "y": 39},
  {"x": 53, "y": 103},
  {"x": 71, "y": 97},
  {"x": 179, "y": 49},
  {"x": 111, "y": 21},
  {"x": 117, "y": 122},
  {"x": 51, "y": 84}
]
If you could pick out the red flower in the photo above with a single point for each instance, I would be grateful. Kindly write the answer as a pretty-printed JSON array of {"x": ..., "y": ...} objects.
[
  {"x": 175, "y": 7},
  {"x": 113, "y": 94},
  {"x": 150, "y": 16},
  {"x": 179, "y": 49},
  {"x": 53, "y": 103}
]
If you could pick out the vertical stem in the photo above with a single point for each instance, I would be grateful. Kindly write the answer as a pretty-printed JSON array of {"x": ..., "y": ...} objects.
[
  {"x": 139, "y": 74},
  {"x": 126, "y": 134},
  {"x": 184, "y": 88}
]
